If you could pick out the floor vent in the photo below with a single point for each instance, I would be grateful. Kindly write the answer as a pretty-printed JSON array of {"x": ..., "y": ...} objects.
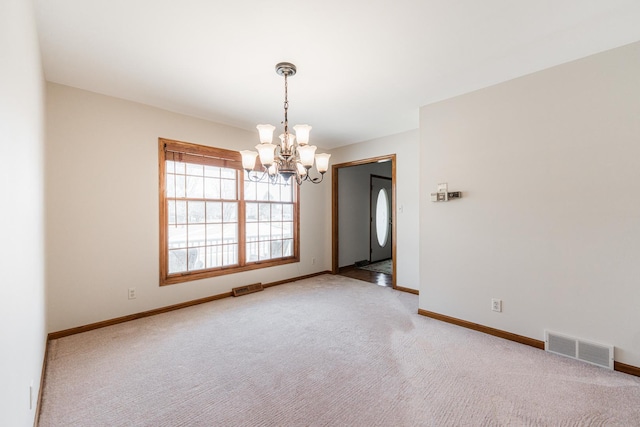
[
  {"x": 243, "y": 290},
  {"x": 590, "y": 352}
]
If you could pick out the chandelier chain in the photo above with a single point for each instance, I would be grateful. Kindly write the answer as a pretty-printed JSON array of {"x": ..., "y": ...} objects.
[{"x": 286, "y": 107}]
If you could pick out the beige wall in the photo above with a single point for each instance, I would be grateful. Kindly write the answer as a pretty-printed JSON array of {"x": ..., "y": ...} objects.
[
  {"x": 22, "y": 309},
  {"x": 405, "y": 146},
  {"x": 102, "y": 209},
  {"x": 550, "y": 219}
]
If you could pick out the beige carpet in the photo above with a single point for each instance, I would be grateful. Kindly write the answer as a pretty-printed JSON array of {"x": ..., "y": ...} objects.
[{"x": 328, "y": 351}]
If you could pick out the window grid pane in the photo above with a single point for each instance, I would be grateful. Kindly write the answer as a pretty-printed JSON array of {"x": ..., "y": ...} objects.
[
  {"x": 202, "y": 226},
  {"x": 269, "y": 230}
]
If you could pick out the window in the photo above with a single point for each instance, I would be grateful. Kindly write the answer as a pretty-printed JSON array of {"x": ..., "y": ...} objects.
[
  {"x": 382, "y": 217},
  {"x": 215, "y": 221}
]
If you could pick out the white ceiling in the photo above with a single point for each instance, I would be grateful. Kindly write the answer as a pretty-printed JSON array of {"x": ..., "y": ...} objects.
[{"x": 364, "y": 66}]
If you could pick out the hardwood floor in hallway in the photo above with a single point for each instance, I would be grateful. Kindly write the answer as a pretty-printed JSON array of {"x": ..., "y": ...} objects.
[{"x": 354, "y": 272}]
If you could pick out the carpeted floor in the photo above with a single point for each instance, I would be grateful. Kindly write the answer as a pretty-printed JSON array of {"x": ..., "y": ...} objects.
[{"x": 327, "y": 351}]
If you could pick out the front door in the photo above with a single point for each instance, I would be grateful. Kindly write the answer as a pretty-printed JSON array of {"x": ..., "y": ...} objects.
[{"x": 380, "y": 227}]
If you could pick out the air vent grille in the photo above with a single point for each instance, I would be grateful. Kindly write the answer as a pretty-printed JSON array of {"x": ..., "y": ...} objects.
[
  {"x": 561, "y": 345},
  {"x": 248, "y": 289},
  {"x": 594, "y": 353}
]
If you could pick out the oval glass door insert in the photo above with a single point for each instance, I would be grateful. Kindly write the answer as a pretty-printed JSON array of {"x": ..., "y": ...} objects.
[{"x": 382, "y": 217}]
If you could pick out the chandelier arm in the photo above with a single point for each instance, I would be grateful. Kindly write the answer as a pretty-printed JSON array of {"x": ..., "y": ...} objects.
[
  {"x": 316, "y": 180},
  {"x": 255, "y": 175}
]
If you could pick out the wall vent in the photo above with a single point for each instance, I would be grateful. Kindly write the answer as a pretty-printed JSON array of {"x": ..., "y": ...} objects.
[
  {"x": 248, "y": 289},
  {"x": 590, "y": 352}
]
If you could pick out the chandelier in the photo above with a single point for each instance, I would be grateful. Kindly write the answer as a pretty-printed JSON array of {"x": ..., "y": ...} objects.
[{"x": 290, "y": 158}]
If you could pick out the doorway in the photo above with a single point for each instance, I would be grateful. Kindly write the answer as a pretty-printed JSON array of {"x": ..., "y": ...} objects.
[{"x": 344, "y": 233}]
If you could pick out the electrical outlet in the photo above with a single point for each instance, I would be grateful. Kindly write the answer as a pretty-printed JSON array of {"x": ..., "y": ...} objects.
[
  {"x": 496, "y": 305},
  {"x": 313, "y": 261},
  {"x": 132, "y": 293}
]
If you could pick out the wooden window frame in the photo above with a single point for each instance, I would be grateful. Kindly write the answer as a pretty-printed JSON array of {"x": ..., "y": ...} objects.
[{"x": 203, "y": 154}]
